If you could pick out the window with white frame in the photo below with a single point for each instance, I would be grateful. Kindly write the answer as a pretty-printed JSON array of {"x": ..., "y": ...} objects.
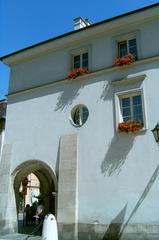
[
  {"x": 128, "y": 43},
  {"x": 130, "y": 106},
  {"x": 128, "y": 46},
  {"x": 80, "y": 60}
]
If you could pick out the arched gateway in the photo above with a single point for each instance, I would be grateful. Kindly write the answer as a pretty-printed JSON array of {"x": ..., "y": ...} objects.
[{"x": 47, "y": 179}]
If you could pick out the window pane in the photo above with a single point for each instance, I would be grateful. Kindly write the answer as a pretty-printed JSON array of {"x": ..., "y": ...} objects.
[
  {"x": 76, "y": 117},
  {"x": 132, "y": 42},
  {"x": 125, "y": 102},
  {"x": 122, "y": 46},
  {"x": 137, "y": 108},
  {"x": 76, "y": 61},
  {"x": 126, "y": 112},
  {"x": 85, "y": 114},
  {"x": 85, "y": 60},
  {"x": 133, "y": 50},
  {"x": 126, "y": 109},
  {"x": 139, "y": 117},
  {"x": 137, "y": 100},
  {"x": 133, "y": 47}
]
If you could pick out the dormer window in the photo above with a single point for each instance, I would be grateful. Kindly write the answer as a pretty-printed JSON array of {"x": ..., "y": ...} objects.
[
  {"x": 80, "y": 60},
  {"x": 128, "y": 46}
]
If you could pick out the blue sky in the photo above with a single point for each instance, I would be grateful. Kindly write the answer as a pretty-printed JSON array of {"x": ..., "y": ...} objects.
[{"x": 27, "y": 22}]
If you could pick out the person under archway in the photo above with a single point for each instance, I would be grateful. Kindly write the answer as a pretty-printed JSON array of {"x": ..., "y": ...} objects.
[{"x": 27, "y": 211}]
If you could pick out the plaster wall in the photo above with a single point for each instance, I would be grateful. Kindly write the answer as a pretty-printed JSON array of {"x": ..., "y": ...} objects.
[
  {"x": 117, "y": 173},
  {"x": 54, "y": 65}
]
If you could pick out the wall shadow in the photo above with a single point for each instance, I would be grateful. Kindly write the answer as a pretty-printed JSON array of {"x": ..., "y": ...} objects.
[
  {"x": 113, "y": 231},
  {"x": 116, "y": 228},
  {"x": 68, "y": 94},
  {"x": 118, "y": 150},
  {"x": 123, "y": 72},
  {"x": 143, "y": 196},
  {"x": 108, "y": 90}
]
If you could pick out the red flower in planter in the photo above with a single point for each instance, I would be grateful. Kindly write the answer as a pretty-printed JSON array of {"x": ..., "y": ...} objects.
[
  {"x": 126, "y": 60},
  {"x": 77, "y": 72},
  {"x": 130, "y": 126}
]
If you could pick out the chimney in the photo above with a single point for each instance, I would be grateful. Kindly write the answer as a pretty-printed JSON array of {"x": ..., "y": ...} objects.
[{"x": 79, "y": 23}]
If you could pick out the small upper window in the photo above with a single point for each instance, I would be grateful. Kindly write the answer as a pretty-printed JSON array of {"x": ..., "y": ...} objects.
[
  {"x": 127, "y": 46},
  {"x": 79, "y": 115},
  {"x": 81, "y": 60}
]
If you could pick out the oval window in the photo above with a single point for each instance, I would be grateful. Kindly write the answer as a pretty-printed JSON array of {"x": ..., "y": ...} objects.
[{"x": 79, "y": 115}]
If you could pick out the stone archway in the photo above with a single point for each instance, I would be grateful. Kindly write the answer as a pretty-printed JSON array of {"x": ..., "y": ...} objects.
[{"x": 48, "y": 183}]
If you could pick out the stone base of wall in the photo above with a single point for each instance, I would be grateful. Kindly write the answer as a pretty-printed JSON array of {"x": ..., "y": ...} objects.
[
  {"x": 7, "y": 227},
  {"x": 140, "y": 237},
  {"x": 67, "y": 231},
  {"x": 104, "y": 232},
  {"x": 118, "y": 232}
]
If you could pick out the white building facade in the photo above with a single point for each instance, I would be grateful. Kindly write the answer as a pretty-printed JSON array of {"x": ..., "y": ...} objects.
[{"x": 100, "y": 183}]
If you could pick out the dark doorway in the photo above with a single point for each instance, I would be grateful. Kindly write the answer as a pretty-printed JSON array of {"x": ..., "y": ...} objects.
[{"x": 35, "y": 186}]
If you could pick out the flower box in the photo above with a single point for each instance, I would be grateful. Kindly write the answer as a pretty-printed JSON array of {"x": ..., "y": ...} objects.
[
  {"x": 77, "y": 72},
  {"x": 126, "y": 60},
  {"x": 130, "y": 126}
]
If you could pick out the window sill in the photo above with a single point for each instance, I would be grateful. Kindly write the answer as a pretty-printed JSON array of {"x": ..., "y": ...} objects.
[{"x": 140, "y": 132}]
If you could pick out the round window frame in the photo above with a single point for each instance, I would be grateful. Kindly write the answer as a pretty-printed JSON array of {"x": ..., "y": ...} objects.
[{"x": 73, "y": 111}]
